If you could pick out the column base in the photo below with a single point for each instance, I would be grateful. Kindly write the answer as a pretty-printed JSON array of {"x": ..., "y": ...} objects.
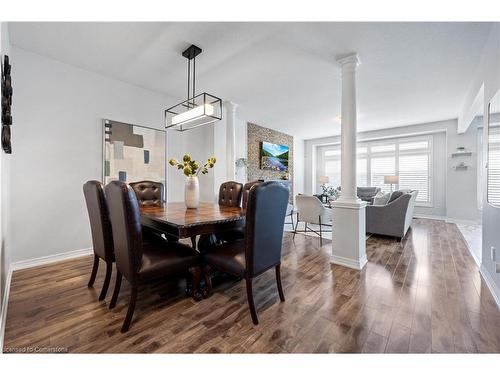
[
  {"x": 348, "y": 262},
  {"x": 349, "y": 234}
]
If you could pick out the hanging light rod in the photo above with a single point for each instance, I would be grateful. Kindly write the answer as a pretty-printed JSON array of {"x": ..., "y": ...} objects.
[{"x": 196, "y": 110}]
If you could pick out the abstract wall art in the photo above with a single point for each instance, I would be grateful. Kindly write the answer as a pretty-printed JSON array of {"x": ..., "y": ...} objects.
[{"x": 133, "y": 153}]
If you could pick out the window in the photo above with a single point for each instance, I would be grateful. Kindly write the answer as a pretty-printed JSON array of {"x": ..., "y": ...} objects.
[
  {"x": 332, "y": 170},
  {"x": 414, "y": 174},
  {"x": 494, "y": 165},
  {"x": 361, "y": 173},
  {"x": 380, "y": 167},
  {"x": 493, "y": 172},
  {"x": 409, "y": 158},
  {"x": 480, "y": 168}
]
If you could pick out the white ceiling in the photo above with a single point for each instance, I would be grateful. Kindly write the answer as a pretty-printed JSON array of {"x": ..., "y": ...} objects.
[{"x": 283, "y": 75}]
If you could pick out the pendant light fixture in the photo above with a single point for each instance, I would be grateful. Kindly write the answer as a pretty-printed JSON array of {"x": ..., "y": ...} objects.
[{"x": 197, "y": 110}]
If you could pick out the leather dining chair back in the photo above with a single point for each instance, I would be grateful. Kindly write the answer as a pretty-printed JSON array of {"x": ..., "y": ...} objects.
[
  {"x": 260, "y": 249},
  {"x": 149, "y": 193},
  {"x": 100, "y": 227},
  {"x": 265, "y": 218},
  {"x": 246, "y": 191},
  {"x": 136, "y": 260},
  {"x": 230, "y": 194},
  {"x": 127, "y": 233}
]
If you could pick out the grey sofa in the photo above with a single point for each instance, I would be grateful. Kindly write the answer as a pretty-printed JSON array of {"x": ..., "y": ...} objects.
[
  {"x": 394, "y": 218},
  {"x": 366, "y": 194}
]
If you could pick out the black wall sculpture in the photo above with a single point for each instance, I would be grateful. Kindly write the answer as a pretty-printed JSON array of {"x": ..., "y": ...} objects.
[{"x": 6, "y": 105}]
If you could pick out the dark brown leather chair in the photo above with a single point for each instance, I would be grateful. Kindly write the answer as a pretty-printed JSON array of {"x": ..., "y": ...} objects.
[
  {"x": 239, "y": 233},
  {"x": 261, "y": 248},
  {"x": 230, "y": 194},
  {"x": 149, "y": 193},
  {"x": 140, "y": 262},
  {"x": 102, "y": 236},
  {"x": 246, "y": 191}
]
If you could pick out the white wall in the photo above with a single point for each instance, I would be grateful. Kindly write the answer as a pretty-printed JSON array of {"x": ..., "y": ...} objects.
[
  {"x": 487, "y": 74},
  {"x": 57, "y": 147},
  {"x": 199, "y": 143},
  {"x": 461, "y": 194},
  {"x": 449, "y": 186},
  {"x": 5, "y": 179}
]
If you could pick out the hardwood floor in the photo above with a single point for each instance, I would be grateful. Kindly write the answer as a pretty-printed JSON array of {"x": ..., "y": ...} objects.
[{"x": 426, "y": 296}]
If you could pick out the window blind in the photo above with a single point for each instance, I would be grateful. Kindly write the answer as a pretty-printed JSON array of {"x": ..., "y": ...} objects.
[
  {"x": 494, "y": 165},
  {"x": 414, "y": 174}
]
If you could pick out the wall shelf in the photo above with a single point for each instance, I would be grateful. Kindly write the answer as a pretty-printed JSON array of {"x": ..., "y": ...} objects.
[{"x": 461, "y": 153}]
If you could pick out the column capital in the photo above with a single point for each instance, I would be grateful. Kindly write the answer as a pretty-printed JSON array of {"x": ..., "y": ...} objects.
[
  {"x": 231, "y": 106},
  {"x": 351, "y": 59}
]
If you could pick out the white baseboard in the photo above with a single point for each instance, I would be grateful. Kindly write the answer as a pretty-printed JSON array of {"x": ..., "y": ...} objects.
[
  {"x": 478, "y": 262},
  {"x": 490, "y": 283},
  {"x": 22, "y": 264},
  {"x": 447, "y": 219},
  {"x": 347, "y": 262},
  {"x": 3, "y": 313},
  {"x": 431, "y": 217},
  {"x": 28, "y": 264},
  {"x": 462, "y": 221}
]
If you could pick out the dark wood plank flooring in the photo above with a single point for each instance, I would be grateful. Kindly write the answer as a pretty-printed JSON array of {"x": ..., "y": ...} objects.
[{"x": 424, "y": 297}]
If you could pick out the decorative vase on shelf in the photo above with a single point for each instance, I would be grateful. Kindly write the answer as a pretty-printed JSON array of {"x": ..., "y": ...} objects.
[{"x": 192, "y": 192}]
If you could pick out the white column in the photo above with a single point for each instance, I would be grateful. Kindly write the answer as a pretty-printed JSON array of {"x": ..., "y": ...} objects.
[
  {"x": 349, "y": 225},
  {"x": 230, "y": 140}
]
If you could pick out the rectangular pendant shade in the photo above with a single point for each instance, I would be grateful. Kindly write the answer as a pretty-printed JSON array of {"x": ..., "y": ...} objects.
[{"x": 200, "y": 110}]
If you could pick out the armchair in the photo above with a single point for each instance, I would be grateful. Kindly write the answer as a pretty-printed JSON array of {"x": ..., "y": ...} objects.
[
  {"x": 311, "y": 211},
  {"x": 392, "y": 219}
]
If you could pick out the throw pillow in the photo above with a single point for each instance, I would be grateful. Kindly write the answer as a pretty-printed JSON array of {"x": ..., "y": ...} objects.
[
  {"x": 395, "y": 195},
  {"x": 381, "y": 199}
]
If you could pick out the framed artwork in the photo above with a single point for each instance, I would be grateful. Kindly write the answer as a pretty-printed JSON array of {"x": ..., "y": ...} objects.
[
  {"x": 6, "y": 105},
  {"x": 133, "y": 153},
  {"x": 274, "y": 157}
]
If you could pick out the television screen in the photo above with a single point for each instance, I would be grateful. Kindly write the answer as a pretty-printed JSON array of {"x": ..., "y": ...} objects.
[{"x": 274, "y": 157}]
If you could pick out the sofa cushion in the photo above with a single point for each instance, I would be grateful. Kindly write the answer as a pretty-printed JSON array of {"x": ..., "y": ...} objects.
[{"x": 381, "y": 199}]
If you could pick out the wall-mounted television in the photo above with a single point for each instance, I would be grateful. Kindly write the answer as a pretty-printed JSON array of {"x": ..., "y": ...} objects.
[{"x": 274, "y": 157}]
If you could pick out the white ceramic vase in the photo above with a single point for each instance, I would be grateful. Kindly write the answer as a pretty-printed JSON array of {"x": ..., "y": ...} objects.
[{"x": 192, "y": 192}]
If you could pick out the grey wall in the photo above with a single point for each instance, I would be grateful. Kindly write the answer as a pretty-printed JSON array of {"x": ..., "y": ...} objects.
[
  {"x": 57, "y": 147},
  {"x": 461, "y": 195},
  {"x": 487, "y": 74},
  {"x": 449, "y": 187}
]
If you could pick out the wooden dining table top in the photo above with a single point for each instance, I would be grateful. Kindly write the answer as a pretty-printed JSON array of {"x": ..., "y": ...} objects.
[{"x": 176, "y": 219}]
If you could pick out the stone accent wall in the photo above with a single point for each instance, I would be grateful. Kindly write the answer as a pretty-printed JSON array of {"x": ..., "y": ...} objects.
[{"x": 255, "y": 136}]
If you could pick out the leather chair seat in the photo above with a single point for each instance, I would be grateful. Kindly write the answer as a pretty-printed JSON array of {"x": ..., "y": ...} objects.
[
  {"x": 233, "y": 234},
  {"x": 157, "y": 260},
  {"x": 229, "y": 257}
]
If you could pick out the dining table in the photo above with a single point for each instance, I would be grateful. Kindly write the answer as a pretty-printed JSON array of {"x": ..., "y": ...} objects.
[{"x": 179, "y": 222}]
